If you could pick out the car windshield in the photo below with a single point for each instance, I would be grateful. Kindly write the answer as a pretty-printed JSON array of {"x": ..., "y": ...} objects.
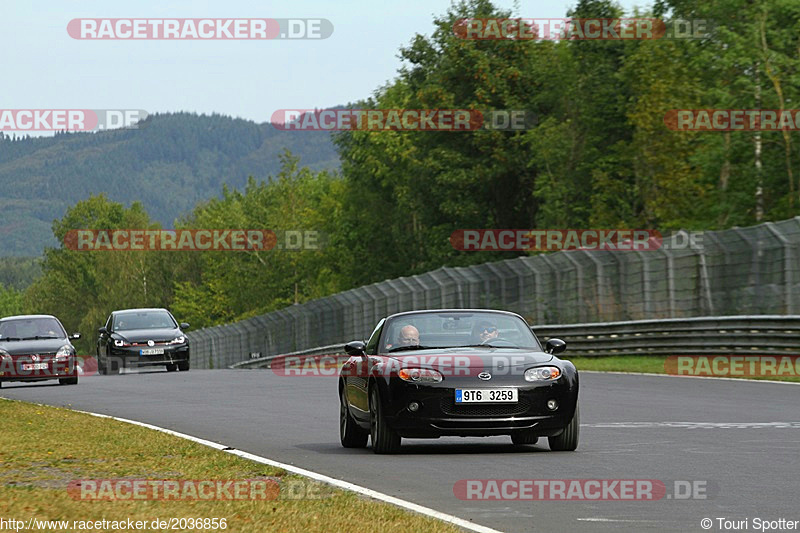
[
  {"x": 143, "y": 320},
  {"x": 31, "y": 328},
  {"x": 457, "y": 329}
]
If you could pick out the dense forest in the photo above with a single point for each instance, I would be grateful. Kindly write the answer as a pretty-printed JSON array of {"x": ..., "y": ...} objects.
[
  {"x": 169, "y": 164},
  {"x": 600, "y": 156}
]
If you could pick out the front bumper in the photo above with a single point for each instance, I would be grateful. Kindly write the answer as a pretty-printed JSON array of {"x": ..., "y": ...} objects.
[
  {"x": 439, "y": 415},
  {"x": 131, "y": 356},
  {"x": 25, "y": 368}
]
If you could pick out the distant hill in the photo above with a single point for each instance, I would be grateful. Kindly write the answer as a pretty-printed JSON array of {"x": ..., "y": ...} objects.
[{"x": 169, "y": 164}]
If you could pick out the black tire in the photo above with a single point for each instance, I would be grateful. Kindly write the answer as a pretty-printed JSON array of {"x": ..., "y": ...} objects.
[
  {"x": 183, "y": 366},
  {"x": 524, "y": 437},
  {"x": 567, "y": 441},
  {"x": 110, "y": 367},
  {"x": 101, "y": 363},
  {"x": 172, "y": 367},
  {"x": 68, "y": 381},
  {"x": 384, "y": 439},
  {"x": 350, "y": 434}
]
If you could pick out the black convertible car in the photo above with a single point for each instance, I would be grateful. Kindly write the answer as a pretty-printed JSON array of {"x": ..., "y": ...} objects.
[
  {"x": 142, "y": 337},
  {"x": 426, "y": 374}
]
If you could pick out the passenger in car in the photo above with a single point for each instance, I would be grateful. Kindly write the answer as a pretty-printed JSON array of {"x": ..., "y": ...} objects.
[{"x": 484, "y": 332}]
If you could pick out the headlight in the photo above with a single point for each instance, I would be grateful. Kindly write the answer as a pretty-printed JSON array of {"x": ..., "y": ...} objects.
[
  {"x": 543, "y": 373},
  {"x": 419, "y": 375},
  {"x": 64, "y": 351},
  {"x": 118, "y": 343},
  {"x": 178, "y": 340}
]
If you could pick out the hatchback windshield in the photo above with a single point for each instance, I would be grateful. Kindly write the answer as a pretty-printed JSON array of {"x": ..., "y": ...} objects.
[
  {"x": 143, "y": 320},
  {"x": 457, "y": 329},
  {"x": 31, "y": 328}
]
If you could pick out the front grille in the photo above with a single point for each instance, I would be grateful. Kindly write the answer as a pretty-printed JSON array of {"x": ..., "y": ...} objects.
[{"x": 449, "y": 407}]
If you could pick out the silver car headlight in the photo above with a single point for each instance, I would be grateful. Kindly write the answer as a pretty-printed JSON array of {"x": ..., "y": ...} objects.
[
  {"x": 64, "y": 351},
  {"x": 543, "y": 373}
]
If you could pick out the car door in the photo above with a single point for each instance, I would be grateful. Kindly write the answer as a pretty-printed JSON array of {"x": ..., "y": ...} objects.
[{"x": 357, "y": 383}]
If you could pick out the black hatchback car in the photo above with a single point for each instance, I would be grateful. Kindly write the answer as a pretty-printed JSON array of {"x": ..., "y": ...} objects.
[
  {"x": 36, "y": 348},
  {"x": 142, "y": 337},
  {"x": 459, "y": 372}
]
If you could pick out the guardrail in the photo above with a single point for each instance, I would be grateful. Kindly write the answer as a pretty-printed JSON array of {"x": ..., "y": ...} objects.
[{"x": 717, "y": 335}]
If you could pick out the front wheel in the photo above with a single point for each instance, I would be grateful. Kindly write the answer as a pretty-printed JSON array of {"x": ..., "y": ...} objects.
[
  {"x": 183, "y": 366},
  {"x": 68, "y": 381},
  {"x": 567, "y": 441},
  {"x": 384, "y": 438},
  {"x": 172, "y": 367},
  {"x": 350, "y": 434}
]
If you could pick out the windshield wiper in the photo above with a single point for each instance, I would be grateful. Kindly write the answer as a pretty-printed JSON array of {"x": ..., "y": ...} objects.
[
  {"x": 410, "y": 347},
  {"x": 490, "y": 345},
  {"x": 10, "y": 339},
  {"x": 39, "y": 337}
]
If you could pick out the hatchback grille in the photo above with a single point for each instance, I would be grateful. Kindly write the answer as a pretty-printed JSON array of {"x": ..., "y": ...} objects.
[{"x": 449, "y": 406}]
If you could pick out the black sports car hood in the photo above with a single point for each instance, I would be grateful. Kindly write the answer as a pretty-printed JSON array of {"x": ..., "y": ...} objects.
[
  {"x": 473, "y": 357},
  {"x": 40, "y": 346},
  {"x": 144, "y": 335}
]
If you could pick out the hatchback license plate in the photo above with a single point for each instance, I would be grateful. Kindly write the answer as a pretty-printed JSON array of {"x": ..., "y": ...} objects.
[
  {"x": 152, "y": 351},
  {"x": 486, "y": 396},
  {"x": 35, "y": 366}
]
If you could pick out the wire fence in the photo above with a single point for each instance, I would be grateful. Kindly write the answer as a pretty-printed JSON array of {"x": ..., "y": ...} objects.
[{"x": 741, "y": 271}]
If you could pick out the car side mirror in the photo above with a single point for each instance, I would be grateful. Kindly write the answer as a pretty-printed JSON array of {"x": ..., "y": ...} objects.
[
  {"x": 355, "y": 348},
  {"x": 184, "y": 325},
  {"x": 75, "y": 336},
  {"x": 555, "y": 346},
  {"x": 102, "y": 330}
]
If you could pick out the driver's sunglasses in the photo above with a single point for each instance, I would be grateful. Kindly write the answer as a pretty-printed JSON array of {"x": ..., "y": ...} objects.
[{"x": 490, "y": 329}]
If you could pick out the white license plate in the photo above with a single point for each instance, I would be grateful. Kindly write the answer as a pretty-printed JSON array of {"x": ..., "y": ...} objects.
[
  {"x": 35, "y": 366},
  {"x": 152, "y": 351},
  {"x": 486, "y": 396}
]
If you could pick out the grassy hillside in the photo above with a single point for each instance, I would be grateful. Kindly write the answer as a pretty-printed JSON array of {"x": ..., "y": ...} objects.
[{"x": 171, "y": 163}]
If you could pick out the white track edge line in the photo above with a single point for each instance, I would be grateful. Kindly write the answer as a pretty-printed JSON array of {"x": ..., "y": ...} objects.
[
  {"x": 427, "y": 511},
  {"x": 740, "y": 380}
]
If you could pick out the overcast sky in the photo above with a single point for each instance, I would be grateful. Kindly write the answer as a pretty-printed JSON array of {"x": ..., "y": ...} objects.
[{"x": 44, "y": 68}]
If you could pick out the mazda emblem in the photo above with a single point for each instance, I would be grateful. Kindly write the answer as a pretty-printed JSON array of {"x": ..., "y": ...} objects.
[{"x": 485, "y": 376}]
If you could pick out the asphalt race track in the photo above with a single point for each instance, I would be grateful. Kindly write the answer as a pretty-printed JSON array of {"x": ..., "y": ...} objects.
[{"x": 741, "y": 438}]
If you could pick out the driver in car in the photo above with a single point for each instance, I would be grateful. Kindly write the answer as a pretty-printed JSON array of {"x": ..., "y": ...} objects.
[{"x": 407, "y": 336}]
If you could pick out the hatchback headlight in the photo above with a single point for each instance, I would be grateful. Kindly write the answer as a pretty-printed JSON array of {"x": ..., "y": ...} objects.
[
  {"x": 419, "y": 375},
  {"x": 64, "y": 352},
  {"x": 543, "y": 373},
  {"x": 178, "y": 340},
  {"x": 119, "y": 343}
]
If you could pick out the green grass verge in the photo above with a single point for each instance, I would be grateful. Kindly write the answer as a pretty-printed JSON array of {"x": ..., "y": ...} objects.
[
  {"x": 43, "y": 448},
  {"x": 641, "y": 363}
]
